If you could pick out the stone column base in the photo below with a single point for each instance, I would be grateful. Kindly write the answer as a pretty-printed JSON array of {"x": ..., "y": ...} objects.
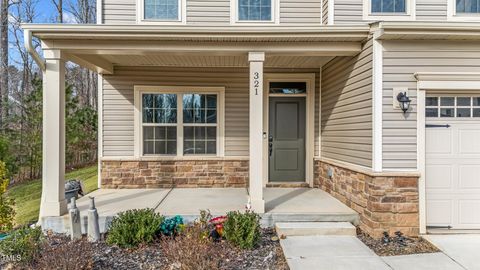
[{"x": 385, "y": 202}]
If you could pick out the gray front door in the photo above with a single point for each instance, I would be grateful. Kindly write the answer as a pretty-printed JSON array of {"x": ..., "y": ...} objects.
[{"x": 287, "y": 139}]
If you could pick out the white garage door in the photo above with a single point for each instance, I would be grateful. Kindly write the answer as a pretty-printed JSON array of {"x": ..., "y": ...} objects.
[{"x": 453, "y": 161}]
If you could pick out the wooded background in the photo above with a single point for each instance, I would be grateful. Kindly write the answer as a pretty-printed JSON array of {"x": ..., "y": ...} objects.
[{"x": 21, "y": 89}]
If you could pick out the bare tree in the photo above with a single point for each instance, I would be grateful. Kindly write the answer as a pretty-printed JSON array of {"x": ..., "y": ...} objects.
[
  {"x": 59, "y": 7},
  {"x": 3, "y": 62}
]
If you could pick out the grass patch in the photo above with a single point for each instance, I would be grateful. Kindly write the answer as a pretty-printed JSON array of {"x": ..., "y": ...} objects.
[{"x": 27, "y": 195}]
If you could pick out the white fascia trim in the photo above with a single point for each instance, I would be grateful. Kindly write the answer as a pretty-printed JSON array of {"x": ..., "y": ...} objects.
[
  {"x": 100, "y": 126},
  {"x": 464, "y": 17},
  {"x": 331, "y": 12},
  {"x": 234, "y": 15},
  {"x": 99, "y": 11},
  {"x": 182, "y": 15},
  {"x": 377, "y": 96},
  {"x": 409, "y": 15}
]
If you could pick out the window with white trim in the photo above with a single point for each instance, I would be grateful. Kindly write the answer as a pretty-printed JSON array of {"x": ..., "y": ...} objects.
[
  {"x": 254, "y": 10},
  {"x": 467, "y": 6},
  {"x": 162, "y": 10},
  {"x": 179, "y": 123},
  {"x": 452, "y": 107},
  {"x": 389, "y": 10},
  {"x": 388, "y": 6},
  {"x": 199, "y": 124}
]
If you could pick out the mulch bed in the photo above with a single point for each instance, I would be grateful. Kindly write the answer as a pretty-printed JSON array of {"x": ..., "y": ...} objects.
[
  {"x": 396, "y": 244},
  {"x": 267, "y": 255}
]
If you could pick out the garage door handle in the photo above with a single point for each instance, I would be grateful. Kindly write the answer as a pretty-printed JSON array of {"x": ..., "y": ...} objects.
[{"x": 437, "y": 126}]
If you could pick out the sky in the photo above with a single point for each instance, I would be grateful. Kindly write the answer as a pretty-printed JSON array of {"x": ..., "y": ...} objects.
[{"x": 45, "y": 13}]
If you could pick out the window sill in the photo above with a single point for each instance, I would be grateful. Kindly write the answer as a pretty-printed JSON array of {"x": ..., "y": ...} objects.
[
  {"x": 389, "y": 17},
  {"x": 466, "y": 17},
  {"x": 160, "y": 22}
]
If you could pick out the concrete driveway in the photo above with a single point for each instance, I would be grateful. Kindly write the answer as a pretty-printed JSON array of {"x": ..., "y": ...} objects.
[{"x": 462, "y": 248}]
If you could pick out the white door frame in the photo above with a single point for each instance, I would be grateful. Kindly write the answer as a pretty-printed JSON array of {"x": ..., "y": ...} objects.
[
  {"x": 309, "y": 78},
  {"x": 438, "y": 82}
]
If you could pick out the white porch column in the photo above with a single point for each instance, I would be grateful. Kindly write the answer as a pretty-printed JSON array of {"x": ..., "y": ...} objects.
[
  {"x": 53, "y": 201},
  {"x": 256, "y": 131}
]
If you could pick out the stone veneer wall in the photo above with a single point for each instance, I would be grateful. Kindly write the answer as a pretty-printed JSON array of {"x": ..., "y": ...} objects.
[
  {"x": 174, "y": 173},
  {"x": 385, "y": 202}
]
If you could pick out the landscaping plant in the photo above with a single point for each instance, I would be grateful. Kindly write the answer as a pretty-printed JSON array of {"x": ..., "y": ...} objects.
[
  {"x": 134, "y": 227},
  {"x": 7, "y": 213},
  {"x": 24, "y": 243},
  {"x": 66, "y": 254},
  {"x": 191, "y": 250},
  {"x": 242, "y": 229}
]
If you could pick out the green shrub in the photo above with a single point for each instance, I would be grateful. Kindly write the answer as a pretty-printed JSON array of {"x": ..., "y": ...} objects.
[
  {"x": 23, "y": 243},
  {"x": 242, "y": 229},
  {"x": 7, "y": 213},
  {"x": 134, "y": 227}
]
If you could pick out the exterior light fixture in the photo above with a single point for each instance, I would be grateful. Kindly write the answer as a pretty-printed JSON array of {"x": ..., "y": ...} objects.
[{"x": 403, "y": 101}]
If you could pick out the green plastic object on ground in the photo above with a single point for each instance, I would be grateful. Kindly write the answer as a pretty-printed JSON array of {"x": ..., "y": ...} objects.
[{"x": 170, "y": 226}]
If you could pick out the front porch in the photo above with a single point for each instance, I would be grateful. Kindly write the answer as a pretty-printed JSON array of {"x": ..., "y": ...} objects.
[{"x": 281, "y": 204}]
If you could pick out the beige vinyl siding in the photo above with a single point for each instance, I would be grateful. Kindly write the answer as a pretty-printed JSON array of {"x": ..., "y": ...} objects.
[
  {"x": 119, "y": 11},
  {"x": 118, "y": 133},
  {"x": 431, "y": 10},
  {"x": 348, "y": 11},
  {"x": 208, "y": 11},
  {"x": 401, "y": 60},
  {"x": 346, "y": 130},
  {"x": 216, "y": 12},
  {"x": 325, "y": 12},
  {"x": 300, "y": 11}
]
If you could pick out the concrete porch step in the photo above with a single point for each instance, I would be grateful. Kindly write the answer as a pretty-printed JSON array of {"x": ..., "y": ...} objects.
[{"x": 315, "y": 228}]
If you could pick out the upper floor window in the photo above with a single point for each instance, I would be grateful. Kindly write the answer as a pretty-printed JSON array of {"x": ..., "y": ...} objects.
[
  {"x": 467, "y": 6},
  {"x": 388, "y": 6},
  {"x": 163, "y": 10},
  {"x": 254, "y": 10},
  {"x": 388, "y": 10}
]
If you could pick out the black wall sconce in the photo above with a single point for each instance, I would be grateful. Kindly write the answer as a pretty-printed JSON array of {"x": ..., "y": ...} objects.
[{"x": 403, "y": 101}]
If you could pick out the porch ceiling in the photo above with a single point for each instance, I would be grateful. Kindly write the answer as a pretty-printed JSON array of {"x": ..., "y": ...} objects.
[
  {"x": 102, "y": 47},
  {"x": 198, "y": 60}
]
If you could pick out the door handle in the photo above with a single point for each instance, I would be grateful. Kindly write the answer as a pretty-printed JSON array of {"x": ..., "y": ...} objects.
[{"x": 270, "y": 145}]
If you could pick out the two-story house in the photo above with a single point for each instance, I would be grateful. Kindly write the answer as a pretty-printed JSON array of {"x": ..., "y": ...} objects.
[{"x": 375, "y": 101}]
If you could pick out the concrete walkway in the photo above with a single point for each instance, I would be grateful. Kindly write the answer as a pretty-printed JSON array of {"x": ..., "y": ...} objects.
[
  {"x": 462, "y": 248},
  {"x": 330, "y": 252},
  {"x": 348, "y": 252}
]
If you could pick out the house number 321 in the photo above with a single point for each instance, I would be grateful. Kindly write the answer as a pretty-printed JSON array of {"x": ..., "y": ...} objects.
[{"x": 256, "y": 82}]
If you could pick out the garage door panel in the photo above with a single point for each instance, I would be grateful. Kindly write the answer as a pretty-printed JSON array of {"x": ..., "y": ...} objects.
[
  {"x": 439, "y": 212},
  {"x": 442, "y": 173},
  {"x": 469, "y": 142},
  {"x": 437, "y": 142},
  {"x": 469, "y": 176},
  {"x": 469, "y": 213}
]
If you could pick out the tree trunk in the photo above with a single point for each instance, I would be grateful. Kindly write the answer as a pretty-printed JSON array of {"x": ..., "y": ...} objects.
[{"x": 3, "y": 64}]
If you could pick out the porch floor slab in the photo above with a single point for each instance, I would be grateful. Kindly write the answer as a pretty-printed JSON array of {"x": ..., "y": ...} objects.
[
  {"x": 282, "y": 205},
  {"x": 189, "y": 201},
  {"x": 109, "y": 202}
]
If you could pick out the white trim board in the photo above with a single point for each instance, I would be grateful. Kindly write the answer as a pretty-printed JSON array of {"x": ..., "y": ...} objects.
[
  {"x": 377, "y": 106},
  {"x": 309, "y": 78},
  {"x": 438, "y": 83},
  {"x": 100, "y": 127}
]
